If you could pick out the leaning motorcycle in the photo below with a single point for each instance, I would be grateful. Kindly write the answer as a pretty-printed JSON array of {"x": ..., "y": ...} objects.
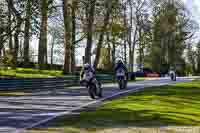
[
  {"x": 173, "y": 76},
  {"x": 94, "y": 88},
  {"x": 121, "y": 79}
]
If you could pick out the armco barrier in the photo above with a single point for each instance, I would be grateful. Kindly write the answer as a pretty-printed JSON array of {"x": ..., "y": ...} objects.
[{"x": 44, "y": 83}]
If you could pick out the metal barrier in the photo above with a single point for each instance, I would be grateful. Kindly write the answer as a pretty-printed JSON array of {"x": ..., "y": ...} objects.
[{"x": 45, "y": 83}]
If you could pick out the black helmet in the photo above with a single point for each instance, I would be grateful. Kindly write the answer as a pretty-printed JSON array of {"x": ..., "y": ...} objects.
[{"x": 119, "y": 62}]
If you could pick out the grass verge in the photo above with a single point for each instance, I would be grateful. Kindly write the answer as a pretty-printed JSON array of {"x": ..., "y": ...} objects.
[
  {"x": 13, "y": 93},
  {"x": 152, "y": 110},
  {"x": 28, "y": 72}
]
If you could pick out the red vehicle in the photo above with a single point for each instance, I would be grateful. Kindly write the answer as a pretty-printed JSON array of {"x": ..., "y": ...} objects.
[{"x": 149, "y": 73}]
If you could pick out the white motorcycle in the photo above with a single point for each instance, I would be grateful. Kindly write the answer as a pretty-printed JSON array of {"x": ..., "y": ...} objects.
[
  {"x": 94, "y": 87},
  {"x": 121, "y": 78}
]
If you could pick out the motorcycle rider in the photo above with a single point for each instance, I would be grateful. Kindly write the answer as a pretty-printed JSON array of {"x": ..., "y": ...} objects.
[
  {"x": 120, "y": 65},
  {"x": 87, "y": 68}
]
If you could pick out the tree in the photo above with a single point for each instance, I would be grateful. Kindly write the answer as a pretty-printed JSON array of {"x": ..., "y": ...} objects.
[
  {"x": 67, "y": 36},
  {"x": 73, "y": 14},
  {"x": 42, "y": 53},
  {"x": 27, "y": 32},
  {"x": 169, "y": 33},
  {"x": 9, "y": 32},
  {"x": 198, "y": 57},
  {"x": 131, "y": 45},
  {"x": 104, "y": 28},
  {"x": 19, "y": 22},
  {"x": 192, "y": 56},
  {"x": 56, "y": 31},
  {"x": 2, "y": 26},
  {"x": 90, "y": 29}
]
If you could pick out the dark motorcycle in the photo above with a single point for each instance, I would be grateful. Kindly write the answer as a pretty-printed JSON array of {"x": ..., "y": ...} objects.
[
  {"x": 121, "y": 79},
  {"x": 94, "y": 88}
]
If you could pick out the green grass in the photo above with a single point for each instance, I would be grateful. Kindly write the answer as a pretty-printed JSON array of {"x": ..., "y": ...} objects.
[
  {"x": 177, "y": 105},
  {"x": 17, "y": 93},
  {"x": 28, "y": 72}
]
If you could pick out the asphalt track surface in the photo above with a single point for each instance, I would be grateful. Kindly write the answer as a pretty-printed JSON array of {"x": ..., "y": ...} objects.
[{"x": 18, "y": 113}]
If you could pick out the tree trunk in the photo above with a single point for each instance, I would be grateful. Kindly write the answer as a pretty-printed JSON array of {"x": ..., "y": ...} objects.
[
  {"x": 4, "y": 51},
  {"x": 130, "y": 57},
  {"x": 193, "y": 65},
  {"x": 90, "y": 31},
  {"x": 125, "y": 48},
  {"x": 67, "y": 37},
  {"x": 16, "y": 41},
  {"x": 131, "y": 48},
  {"x": 103, "y": 30},
  {"x": 52, "y": 50},
  {"x": 16, "y": 48},
  {"x": 27, "y": 33},
  {"x": 109, "y": 47},
  {"x": 198, "y": 60},
  {"x": 17, "y": 32},
  {"x": 42, "y": 53},
  {"x": 73, "y": 62},
  {"x": 140, "y": 48},
  {"x": 113, "y": 55},
  {"x": 1, "y": 44},
  {"x": 9, "y": 30}
]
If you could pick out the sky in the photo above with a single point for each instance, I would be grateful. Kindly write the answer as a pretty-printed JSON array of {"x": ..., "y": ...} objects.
[{"x": 194, "y": 7}]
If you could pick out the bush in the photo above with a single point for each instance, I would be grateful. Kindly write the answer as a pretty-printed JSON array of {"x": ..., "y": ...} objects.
[{"x": 8, "y": 59}]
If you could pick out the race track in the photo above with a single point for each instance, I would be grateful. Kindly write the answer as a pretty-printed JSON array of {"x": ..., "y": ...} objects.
[{"x": 29, "y": 110}]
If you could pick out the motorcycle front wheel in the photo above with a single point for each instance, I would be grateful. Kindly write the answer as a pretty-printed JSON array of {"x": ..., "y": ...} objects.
[
  {"x": 91, "y": 91},
  {"x": 173, "y": 77}
]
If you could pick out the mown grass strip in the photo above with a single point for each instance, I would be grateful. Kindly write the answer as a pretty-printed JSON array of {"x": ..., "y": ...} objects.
[{"x": 156, "y": 107}]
